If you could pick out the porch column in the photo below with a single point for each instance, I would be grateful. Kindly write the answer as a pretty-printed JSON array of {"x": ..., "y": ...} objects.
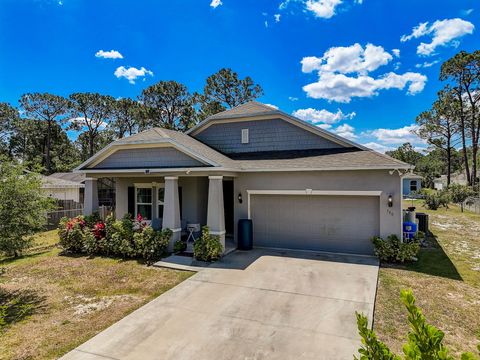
[
  {"x": 90, "y": 200},
  {"x": 171, "y": 209},
  {"x": 215, "y": 210}
]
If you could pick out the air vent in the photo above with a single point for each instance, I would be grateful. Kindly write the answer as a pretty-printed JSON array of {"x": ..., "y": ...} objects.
[{"x": 244, "y": 136}]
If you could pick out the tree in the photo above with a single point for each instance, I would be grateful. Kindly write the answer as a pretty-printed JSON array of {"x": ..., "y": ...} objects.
[
  {"x": 463, "y": 71},
  {"x": 424, "y": 341},
  {"x": 460, "y": 193},
  {"x": 167, "y": 104},
  {"x": 125, "y": 117},
  {"x": 439, "y": 126},
  {"x": 8, "y": 116},
  {"x": 406, "y": 153},
  {"x": 225, "y": 90},
  {"x": 23, "y": 207},
  {"x": 91, "y": 113},
  {"x": 49, "y": 108}
]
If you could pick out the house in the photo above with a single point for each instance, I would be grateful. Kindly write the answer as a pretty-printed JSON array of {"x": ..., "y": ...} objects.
[
  {"x": 303, "y": 187},
  {"x": 441, "y": 182},
  {"x": 63, "y": 189},
  {"x": 412, "y": 183},
  {"x": 105, "y": 188}
]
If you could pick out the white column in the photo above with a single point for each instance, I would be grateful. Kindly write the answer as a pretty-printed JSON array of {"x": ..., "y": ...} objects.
[
  {"x": 121, "y": 198},
  {"x": 90, "y": 201},
  {"x": 215, "y": 210},
  {"x": 171, "y": 209}
]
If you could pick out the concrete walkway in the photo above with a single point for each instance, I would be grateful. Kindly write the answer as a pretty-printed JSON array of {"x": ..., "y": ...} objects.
[{"x": 260, "y": 304}]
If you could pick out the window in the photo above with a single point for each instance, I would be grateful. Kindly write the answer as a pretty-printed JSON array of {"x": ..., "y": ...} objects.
[
  {"x": 144, "y": 203},
  {"x": 413, "y": 185},
  {"x": 244, "y": 136},
  {"x": 160, "y": 199}
]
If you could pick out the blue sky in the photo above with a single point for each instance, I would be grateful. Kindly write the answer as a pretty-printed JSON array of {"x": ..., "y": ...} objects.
[{"x": 363, "y": 69}]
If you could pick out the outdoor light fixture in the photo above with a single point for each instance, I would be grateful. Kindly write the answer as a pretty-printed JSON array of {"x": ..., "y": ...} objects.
[
  {"x": 240, "y": 200},
  {"x": 390, "y": 200}
]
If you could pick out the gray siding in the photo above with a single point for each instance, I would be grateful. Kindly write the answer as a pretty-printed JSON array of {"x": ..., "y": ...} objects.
[
  {"x": 163, "y": 157},
  {"x": 264, "y": 135}
]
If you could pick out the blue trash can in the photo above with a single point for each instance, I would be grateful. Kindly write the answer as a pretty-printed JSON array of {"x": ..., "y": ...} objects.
[{"x": 409, "y": 230}]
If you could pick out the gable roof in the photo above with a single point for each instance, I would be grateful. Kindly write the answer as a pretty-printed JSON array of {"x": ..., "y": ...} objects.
[
  {"x": 179, "y": 140},
  {"x": 254, "y": 109}
]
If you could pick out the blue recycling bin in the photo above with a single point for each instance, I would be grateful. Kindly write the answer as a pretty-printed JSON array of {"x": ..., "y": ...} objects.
[{"x": 409, "y": 230}]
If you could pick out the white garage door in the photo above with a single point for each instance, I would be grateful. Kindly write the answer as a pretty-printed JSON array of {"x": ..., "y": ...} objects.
[{"x": 315, "y": 222}]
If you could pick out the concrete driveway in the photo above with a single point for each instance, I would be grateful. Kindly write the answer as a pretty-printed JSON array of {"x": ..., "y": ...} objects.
[{"x": 260, "y": 304}]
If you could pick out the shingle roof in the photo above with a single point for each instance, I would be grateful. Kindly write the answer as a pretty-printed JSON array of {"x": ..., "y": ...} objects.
[
  {"x": 249, "y": 108},
  {"x": 54, "y": 182},
  {"x": 70, "y": 176},
  {"x": 159, "y": 134},
  {"x": 354, "y": 159}
]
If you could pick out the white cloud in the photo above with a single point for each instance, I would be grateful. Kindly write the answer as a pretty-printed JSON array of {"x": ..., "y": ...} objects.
[
  {"x": 395, "y": 136},
  {"x": 335, "y": 85},
  {"x": 342, "y": 88},
  {"x": 396, "y": 52},
  {"x": 427, "y": 64},
  {"x": 215, "y": 3},
  {"x": 277, "y": 17},
  {"x": 443, "y": 33},
  {"x": 322, "y": 8},
  {"x": 265, "y": 23},
  {"x": 292, "y": 98},
  {"x": 322, "y": 116},
  {"x": 272, "y": 106},
  {"x": 112, "y": 54},
  {"x": 467, "y": 12},
  {"x": 348, "y": 59},
  {"x": 346, "y": 131},
  {"x": 131, "y": 73},
  {"x": 378, "y": 147}
]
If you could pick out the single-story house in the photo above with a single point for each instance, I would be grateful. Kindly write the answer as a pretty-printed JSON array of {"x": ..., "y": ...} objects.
[
  {"x": 63, "y": 189},
  {"x": 441, "y": 182},
  {"x": 412, "y": 183},
  {"x": 303, "y": 187}
]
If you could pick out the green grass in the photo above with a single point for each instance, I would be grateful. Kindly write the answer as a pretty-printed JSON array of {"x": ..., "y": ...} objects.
[
  {"x": 445, "y": 281},
  {"x": 57, "y": 302}
]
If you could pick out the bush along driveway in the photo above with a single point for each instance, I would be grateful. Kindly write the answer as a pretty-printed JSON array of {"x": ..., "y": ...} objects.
[
  {"x": 50, "y": 303},
  {"x": 445, "y": 281}
]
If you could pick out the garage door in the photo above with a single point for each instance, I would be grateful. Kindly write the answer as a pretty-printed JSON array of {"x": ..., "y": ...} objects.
[{"x": 315, "y": 222}]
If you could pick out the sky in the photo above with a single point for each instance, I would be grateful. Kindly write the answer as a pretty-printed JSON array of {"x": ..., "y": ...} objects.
[{"x": 363, "y": 69}]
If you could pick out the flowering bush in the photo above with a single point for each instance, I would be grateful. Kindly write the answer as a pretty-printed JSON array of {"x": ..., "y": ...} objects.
[
  {"x": 71, "y": 233},
  {"x": 125, "y": 238}
]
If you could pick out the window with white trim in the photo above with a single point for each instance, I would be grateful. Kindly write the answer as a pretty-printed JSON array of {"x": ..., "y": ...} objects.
[
  {"x": 143, "y": 202},
  {"x": 245, "y": 136}
]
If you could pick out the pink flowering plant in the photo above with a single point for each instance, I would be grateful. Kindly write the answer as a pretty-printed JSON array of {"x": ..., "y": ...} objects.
[{"x": 125, "y": 238}]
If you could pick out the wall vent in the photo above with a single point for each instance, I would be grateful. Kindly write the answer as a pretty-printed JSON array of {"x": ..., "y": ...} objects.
[{"x": 244, "y": 136}]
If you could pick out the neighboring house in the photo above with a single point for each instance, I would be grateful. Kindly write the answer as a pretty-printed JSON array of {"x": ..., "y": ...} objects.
[
  {"x": 441, "y": 182},
  {"x": 303, "y": 187},
  {"x": 412, "y": 183},
  {"x": 63, "y": 189}
]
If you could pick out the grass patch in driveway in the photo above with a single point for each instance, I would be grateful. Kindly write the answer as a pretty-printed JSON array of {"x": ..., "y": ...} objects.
[
  {"x": 445, "y": 281},
  {"x": 57, "y": 302}
]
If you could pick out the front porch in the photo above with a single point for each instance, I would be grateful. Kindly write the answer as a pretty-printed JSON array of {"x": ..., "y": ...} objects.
[{"x": 173, "y": 202}]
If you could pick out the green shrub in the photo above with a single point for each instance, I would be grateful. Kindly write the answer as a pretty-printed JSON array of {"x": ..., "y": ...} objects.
[
  {"x": 150, "y": 244},
  {"x": 72, "y": 233},
  {"x": 394, "y": 250},
  {"x": 92, "y": 219},
  {"x": 433, "y": 201},
  {"x": 424, "y": 341},
  {"x": 208, "y": 247},
  {"x": 179, "y": 246}
]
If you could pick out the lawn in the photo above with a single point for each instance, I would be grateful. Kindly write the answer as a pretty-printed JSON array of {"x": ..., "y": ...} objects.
[
  {"x": 57, "y": 302},
  {"x": 445, "y": 281}
]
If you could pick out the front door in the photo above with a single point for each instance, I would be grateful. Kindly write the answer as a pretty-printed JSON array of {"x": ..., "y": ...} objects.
[{"x": 228, "y": 205}]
